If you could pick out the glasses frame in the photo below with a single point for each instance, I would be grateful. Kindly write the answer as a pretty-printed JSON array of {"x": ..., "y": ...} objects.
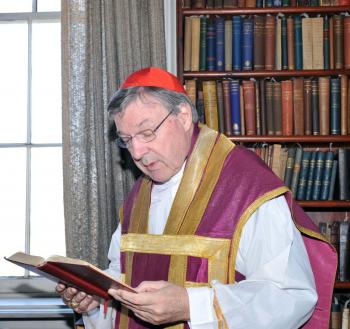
[{"x": 125, "y": 141}]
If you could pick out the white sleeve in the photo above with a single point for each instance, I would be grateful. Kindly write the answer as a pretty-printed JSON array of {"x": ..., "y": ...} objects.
[
  {"x": 278, "y": 290},
  {"x": 96, "y": 318}
]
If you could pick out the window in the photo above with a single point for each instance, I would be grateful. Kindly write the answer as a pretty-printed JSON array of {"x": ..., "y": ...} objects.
[{"x": 31, "y": 182}]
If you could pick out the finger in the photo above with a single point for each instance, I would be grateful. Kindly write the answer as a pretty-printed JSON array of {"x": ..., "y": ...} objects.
[
  {"x": 60, "y": 287},
  {"x": 151, "y": 286},
  {"x": 80, "y": 296}
]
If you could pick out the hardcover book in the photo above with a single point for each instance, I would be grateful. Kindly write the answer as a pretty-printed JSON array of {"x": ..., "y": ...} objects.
[{"x": 72, "y": 272}]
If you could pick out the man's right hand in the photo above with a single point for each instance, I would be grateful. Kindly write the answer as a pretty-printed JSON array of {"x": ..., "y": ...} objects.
[{"x": 79, "y": 301}]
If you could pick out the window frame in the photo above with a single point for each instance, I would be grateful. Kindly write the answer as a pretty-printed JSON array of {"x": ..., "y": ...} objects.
[{"x": 28, "y": 285}]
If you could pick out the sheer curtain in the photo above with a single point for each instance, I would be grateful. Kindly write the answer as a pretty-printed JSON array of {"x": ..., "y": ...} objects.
[{"x": 102, "y": 42}]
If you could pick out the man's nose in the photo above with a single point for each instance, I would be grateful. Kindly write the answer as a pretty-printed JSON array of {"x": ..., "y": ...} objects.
[{"x": 137, "y": 149}]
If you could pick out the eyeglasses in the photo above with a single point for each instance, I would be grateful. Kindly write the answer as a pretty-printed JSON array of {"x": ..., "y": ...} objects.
[{"x": 144, "y": 136}]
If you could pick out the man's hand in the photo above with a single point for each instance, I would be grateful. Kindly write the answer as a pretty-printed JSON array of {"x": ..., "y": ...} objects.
[
  {"x": 79, "y": 301},
  {"x": 156, "y": 302}
]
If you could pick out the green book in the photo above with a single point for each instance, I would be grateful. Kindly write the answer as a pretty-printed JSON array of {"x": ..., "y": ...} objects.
[
  {"x": 320, "y": 160},
  {"x": 296, "y": 171},
  {"x": 303, "y": 176},
  {"x": 203, "y": 44},
  {"x": 311, "y": 175}
]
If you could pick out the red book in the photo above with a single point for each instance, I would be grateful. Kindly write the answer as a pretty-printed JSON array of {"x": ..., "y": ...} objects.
[
  {"x": 249, "y": 107},
  {"x": 270, "y": 36},
  {"x": 298, "y": 104},
  {"x": 347, "y": 42},
  {"x": 72, "y": 272}
]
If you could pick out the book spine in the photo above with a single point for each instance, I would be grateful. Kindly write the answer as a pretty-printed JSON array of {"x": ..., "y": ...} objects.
[
  {"x": 298, "y": 104},
  {"x": 262, "y": 106},
  {"x": 195, "y": 42},
  {"x": 333, "y": 179},
  {"x": 287, "y": 108},
  {"x": 257, "y": 108},
  {"x": 335, "y": 106},
  {"x": 187, "y": 44},
  {"x": 236, "y": 42},
  {"x": 211, "y": 45},
  {"x": 270, "y": 42},
  {"x": 317, "y": 43},
  {"x": 344, "y": 104},
  {"x": 220, "y": 100},
  {"x": 304, "y": 173},
  {"x": 247, "y": 47},
  {"x": 323, "y": 89},
  {"x": 227, "y": 107},
  {"x": 235, "y": 107},
  {"x": 344, "y": 238},
  {"x": 220, "y": 43},
  {"x": 278, "y": 43},
  {"x": 203, "y": 44},
  {"x": 327, "y": 173},
  {"x": 311, "y": 176},
  {"x": 290, "y": 40},
  {"x": 249, "y": 107},
  {"x": 210, "y": 104},
  {"x": 228, "y": 45},
  {"x": 338, "y": 41},
  {"x": 296, "y": 171},
  {"x": 326, "y": 43},
  {"x": 298, "y": 43},
  {"x": 344, "y": 169},
  {"x": 259, "y": 43},
  {"x": 269, "y": 107},
  {"x": 277, "y": 108},
  {"x": 284, "y": 43},
  {"x": 347, "y": 42},
  {"x": 289, "y": 166},
  {"x": 191, "y": 90},
  {"x": 318, "y": 175},
  {"x": 331, "y": 43},
  {"x": 200, "y": 106},
  {"x": 315, "y": 108},
  {"x": 306, "y": 39},
  {"x": 307, "y": 106}
]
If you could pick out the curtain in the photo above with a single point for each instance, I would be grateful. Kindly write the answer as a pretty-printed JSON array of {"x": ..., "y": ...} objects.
[{"x": 103, "y": 41}]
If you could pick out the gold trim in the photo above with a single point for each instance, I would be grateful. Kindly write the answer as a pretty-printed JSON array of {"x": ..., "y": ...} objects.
[
  {"x": 216, "y": 250},
  {"x": 242, "y": 221},
  {"x": 190, "y": 284},
  {"x": 191, "y": 179},
  {"x": 177, "y": 269}
]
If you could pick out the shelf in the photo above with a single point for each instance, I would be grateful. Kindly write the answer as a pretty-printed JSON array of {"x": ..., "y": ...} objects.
[
  {"x": 324, "y": 204},
  {"x": 342, "y": 285},
  {"x": 263, "y": 73},
  {"x": 272, "y": 10},
  {"x": 291, "y": 139}
]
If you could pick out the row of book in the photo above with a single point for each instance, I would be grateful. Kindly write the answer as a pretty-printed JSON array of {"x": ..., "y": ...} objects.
[
  {"x": 297, "y": 106},
  {"x": 271, "y": 42},
  {"x": 338, "y": 234},
  {"x": 210, "y": 4},
  {"x": 310, "y": 174},
  {"x": 340, "y": 312}
]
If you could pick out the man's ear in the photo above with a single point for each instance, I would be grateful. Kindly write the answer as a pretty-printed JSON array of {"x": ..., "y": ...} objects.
[{"x": 185, "y": 116}]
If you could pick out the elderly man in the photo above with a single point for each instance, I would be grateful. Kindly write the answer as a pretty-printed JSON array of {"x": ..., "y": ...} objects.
[{"x": 206, "y": 235}]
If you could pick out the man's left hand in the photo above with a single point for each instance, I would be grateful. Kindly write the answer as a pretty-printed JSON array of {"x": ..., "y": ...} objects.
[{"x": 156, "y": 302}]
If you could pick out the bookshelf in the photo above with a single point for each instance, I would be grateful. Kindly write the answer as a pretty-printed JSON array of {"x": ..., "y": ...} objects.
[{"x": 329, "y": 210}]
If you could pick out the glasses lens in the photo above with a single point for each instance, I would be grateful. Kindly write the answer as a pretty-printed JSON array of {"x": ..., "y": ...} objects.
[
  {"x": 146, "y": 135},
  {"x": 121, "y": 143}
]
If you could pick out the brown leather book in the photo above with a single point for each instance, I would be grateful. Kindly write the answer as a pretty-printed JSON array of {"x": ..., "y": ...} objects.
[
  {"x": 347, "y": 42},
  {"x": 257, "y": 108},
  {"x": 298, "y": 106},
  {"x": 198, "y": 3},
  {"x": 348, "y": 108},
  {"x": 259, "y": 42},
  {"x": 250, "y": 3},
  {"x": 187, "y": 44},
  {"x": 277, "y": 108},
  {"x": 191, "y": 89},
  {"x": 210, "y": 104},
  {"x": 195, "y": 42},
  {"x": 344, "y": 104},
  {"x": 276, "y": 159},
  {"x": 307, "y": 107},
  {"x": 338, "y": 33},
  {"x": 278, "y": 44},
  {"x": 262, "y": 106},
  {"x": 290, "y": 42},
  {"x": 270, "y": 42},
  {"x": 306, "y": 27},
  {"x": 227, "y": 108},
  {"x": 228, "y": 45},
  {"x": 323, "y": 94},
  {"x": 269, "y": 107},
  {"x": 331, "y": 43},
  {"x": 287, "y": 107},
  {"x": 317, "y": 43},
  {"x": 241, "y": 108},
  {"x": 249, "y": 107}
]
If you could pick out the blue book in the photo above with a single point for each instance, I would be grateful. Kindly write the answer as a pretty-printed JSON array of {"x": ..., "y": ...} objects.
[
  {"x": 220, "y": 43},
  {"x": 303, "y": 176},
  {"x": 335, "y": 106},
  {"x": 211, "y": 45},
  {"x": 236, "y": 43},
  {"x": 277, "y": 3},
  {"x": 203, "y": 44},
  {"x": 311, "y": 175},
  {"x": 298, "y": 43},
  {"x": 247, "y": 46},
  {"x": 284, "y": 43},
  {"x": 316, "y": 191},
  {"x": 296, "y": 171},
  {"x": 333, "y": 178},
  {"x": 235, "y": 107},
  {"x": 327, "y": 174}
]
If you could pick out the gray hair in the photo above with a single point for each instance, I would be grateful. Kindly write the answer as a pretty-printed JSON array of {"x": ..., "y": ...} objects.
[{"x": 171, "y": 100}]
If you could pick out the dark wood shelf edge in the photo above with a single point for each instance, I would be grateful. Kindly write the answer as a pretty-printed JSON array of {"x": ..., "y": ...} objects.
[
  {"x": 291, "y": 139},
  {"x": 324, "y": 204},
  {"x": 263, "y": 73},
  {"x": 342, "y": 285},
  {"x": 262, "y": 11}
]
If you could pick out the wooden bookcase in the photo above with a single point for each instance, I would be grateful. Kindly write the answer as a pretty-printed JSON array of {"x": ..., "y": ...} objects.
[{"x": 318, "y": 210}]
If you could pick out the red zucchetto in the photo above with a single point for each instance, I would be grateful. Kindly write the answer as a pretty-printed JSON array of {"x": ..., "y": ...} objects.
[{"x": 154, "y": 77}]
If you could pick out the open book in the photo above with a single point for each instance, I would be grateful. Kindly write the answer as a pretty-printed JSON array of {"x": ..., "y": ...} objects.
[{"x": 72, "y": 272}]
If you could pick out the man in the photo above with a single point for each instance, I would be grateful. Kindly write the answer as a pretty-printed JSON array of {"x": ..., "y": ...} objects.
[{"x": 206, "y": 235}]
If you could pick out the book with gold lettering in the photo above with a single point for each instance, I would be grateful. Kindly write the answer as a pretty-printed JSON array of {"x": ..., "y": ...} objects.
[{"x": 70, "y": 271}]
